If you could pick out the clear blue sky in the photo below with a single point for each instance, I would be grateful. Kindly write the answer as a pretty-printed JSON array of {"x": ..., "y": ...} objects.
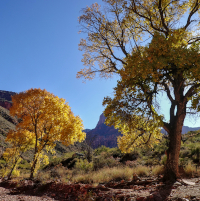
[{"x": 39, "y": 49}]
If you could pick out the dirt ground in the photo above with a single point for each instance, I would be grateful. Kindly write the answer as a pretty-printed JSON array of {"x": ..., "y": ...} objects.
[{"x": 149, "y": 189}]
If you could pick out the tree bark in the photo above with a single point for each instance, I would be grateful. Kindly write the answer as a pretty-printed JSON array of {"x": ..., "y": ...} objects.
[
  {"x": 33, "y": 169},
  {"x": 175, "y": 132},
  {"x": 11, "y": 171}
]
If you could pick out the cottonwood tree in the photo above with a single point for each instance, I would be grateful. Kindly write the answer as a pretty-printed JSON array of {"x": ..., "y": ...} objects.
[
  {"x": 167, "y": 62},
  {"x": 45, "y": 119}
]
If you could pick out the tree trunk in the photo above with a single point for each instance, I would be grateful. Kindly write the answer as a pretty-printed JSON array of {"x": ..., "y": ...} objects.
[
  {"x": 33, "y": 169},
  {"x": 11, "y": 171},
  {"x": 171, "y": 167},
  {"x": 175, "y": 132}
]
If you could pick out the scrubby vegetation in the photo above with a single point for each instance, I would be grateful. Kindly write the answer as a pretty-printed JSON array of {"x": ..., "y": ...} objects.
[{"x": 110, "y": 164}]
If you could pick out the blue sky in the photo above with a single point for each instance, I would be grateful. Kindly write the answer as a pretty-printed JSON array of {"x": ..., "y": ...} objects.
[{"x": 39, "y": 49}]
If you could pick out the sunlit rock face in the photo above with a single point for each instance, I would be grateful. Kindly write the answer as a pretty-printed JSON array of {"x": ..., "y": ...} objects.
[
  {"x": 101, "y": 121},
  {"x": 103, "y": 134}
]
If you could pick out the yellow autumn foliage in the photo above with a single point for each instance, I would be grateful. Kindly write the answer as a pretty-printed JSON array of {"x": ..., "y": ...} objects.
[{"x": 44, "y": 119}]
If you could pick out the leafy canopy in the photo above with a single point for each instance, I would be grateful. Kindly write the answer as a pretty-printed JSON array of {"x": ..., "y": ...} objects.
[{"x": 121, "y": 27}]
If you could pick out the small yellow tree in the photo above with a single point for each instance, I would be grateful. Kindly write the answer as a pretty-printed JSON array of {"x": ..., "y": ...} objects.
[
  {"x": 45, "y": 119},
  {"x": 21, "y": 141}
]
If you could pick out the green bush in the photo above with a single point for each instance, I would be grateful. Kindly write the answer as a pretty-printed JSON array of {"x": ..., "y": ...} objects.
[
  {"x": 163, "y": 159},
  {"x": 101, "y": 149},
  {"x": 185, "y": 153},
  {"x": 102, "y": 162},
  {"x": 84, "y": 165}
]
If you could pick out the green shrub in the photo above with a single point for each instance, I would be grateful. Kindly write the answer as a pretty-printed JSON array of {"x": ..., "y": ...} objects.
[
  {"x": 183, "y": 161},
  {"x": 185, "y": 153},
  {"x": 163, "y": 159},
  {"x": 101, "y": 149},
  {"x": 102, "y": 162},
  {"x": 84, "y": 165}
]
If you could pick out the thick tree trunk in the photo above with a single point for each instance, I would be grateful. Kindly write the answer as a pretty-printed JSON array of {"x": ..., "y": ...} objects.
[
  {"x": 175, "y": 131},
  {"x": 171, "y": 168}
]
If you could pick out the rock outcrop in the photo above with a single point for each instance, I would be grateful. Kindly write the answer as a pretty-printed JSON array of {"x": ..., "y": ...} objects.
[{"x": 102, "y": 134}]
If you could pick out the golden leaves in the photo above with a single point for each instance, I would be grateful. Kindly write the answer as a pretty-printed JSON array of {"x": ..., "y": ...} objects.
[
  {"x": 45, "y": 120},
  {"x": 112, "y": 38}
]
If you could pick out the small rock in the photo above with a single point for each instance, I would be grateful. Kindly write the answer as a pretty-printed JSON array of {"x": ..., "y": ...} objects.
[
  {"x": 188, "y": 182},
  {"x": 177, "y": 183}
]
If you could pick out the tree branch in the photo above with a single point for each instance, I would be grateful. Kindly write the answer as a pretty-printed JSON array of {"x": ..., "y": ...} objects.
[
  {"x": 193, "y": 11},
  {"x": 162, "y": 18}
]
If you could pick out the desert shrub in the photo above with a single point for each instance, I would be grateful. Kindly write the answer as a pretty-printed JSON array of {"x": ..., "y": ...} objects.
[
  {"x": 43, "y": 176},
  {"x": 185, "y": 153},
  {"x": 161, "y": 147},
  {"x": 57, "y": 172},
  {"x": 150, "y": 161},
  {"x": 190, "y": 169},
  {"x": 103, "y": 161},
  {"x": 105, "y": 175},
  {"x": 84, "y": 165},
  {"x": 141, "y": 170},
  {"x": 141, "y": 161},
  {"x": 83, "y": 178},
  {"x": 183, "y": 161},
  {"x": 158, "y": 169},
  {"x": 116, "y": 152},
  {"x": 101, "y": 149},
  {"x": 163, "y": 159},
  {"x": 131, "y": 164}
]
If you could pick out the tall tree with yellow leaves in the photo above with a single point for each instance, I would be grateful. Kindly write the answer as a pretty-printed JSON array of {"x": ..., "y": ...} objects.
[
  {"x": 168, "y": 61},
  {"x": 47, "y": 119}
]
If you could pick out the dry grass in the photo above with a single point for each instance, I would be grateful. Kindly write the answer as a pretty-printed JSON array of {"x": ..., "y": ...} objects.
[
  {"x": 190, "y": 169},
  {"x": 157, "y": 170},
  {"x": 142, "y": 170},
  {"x": 105, "y": 175},
  {"x": 111, "y": 174}
]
